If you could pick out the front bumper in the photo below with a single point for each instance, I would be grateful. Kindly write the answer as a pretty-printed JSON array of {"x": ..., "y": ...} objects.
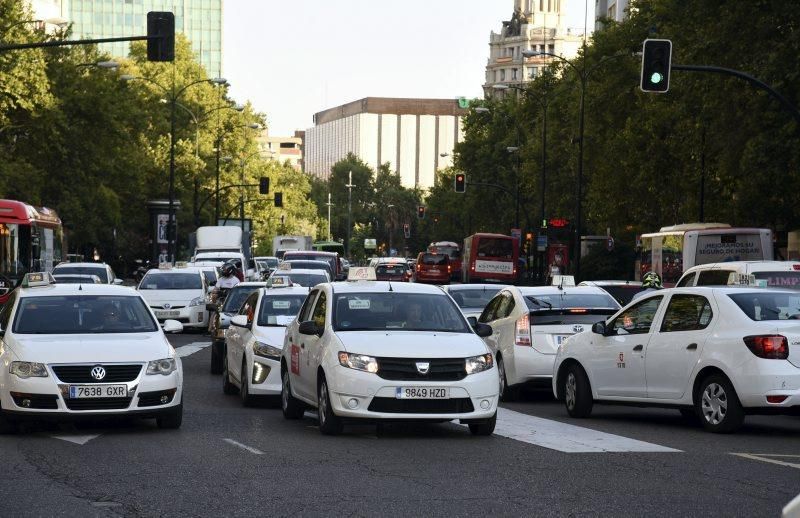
[
  {"x": 189, "y": 316},
  {"x": 265, "y": 377}
]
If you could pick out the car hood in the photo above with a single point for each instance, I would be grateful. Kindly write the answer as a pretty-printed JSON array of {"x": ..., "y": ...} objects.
[
  {"x": 173, "y": 297},
  {"x": 412, "y": 344},
  {"x": 90, "y": 348}
]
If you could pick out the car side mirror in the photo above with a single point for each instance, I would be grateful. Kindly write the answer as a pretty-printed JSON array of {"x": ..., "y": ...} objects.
[
  {"x": 473, "y": 321},
  {"x": 172, "y": 326},
  {"x": 309, "y": 327},
  {"x": 599, "y": 328},
  {"x": 210, "y": 289},
  {"x": 483, "y": 330},
  {"x": 240, "y": 321},
  {"x": 118, "y": 281}
]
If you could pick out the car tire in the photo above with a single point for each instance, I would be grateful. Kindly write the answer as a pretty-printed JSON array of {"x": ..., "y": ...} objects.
[
  {"x": 291, "y": 407},
  {"x": 329, "y": 422},
  {"x": 247, "y": 399},
  {"x": 228, "y": 388},
  {"x": 484, "y": 429},
  {"x": 507, "y": 393},
  {"x": 171, "y": 420},
  {"x": 577, "y": 392},
  {"x": 217, "y": 350},
  {"x": 718, "y": 405}
]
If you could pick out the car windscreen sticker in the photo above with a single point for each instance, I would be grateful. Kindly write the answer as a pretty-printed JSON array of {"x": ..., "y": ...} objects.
[
  {"x": 281, "y": 304},
  {"x": 358, "y": 304},
  {"x": 283, "y": 320}
]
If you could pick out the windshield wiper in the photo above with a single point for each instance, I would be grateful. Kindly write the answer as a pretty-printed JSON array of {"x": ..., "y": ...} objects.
[{"x": 541, "y": 303}]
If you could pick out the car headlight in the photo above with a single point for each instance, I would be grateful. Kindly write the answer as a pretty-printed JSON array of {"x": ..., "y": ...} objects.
[
  {"x": 197, "y": 301},
  {"x": 267, "y": 351},
  {"x": 359, "y": 362},
  {"x": 480, "y": 363},
  {"x": 28, "y": 370},
  {"x": 163, "y": 366}
]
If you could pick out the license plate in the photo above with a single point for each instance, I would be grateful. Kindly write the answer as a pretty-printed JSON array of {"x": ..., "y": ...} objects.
[
  {"x": 561, "y": 338},
  {"x": 164, "y": 314},
  {"x": 422, "y": 393},
  {"x": 97, "y": 391}
]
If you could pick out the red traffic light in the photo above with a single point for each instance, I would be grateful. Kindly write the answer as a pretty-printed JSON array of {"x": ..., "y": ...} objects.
[
  {"x": 460, "y": 182},
  {"x": 420, "y": 212}
]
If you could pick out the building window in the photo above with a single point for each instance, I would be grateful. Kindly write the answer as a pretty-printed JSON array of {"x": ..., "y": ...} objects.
[
  {"x": 513, "y": 74},
  {"x": 532, "y": 72},
  {"x": 502, "y": 75}
]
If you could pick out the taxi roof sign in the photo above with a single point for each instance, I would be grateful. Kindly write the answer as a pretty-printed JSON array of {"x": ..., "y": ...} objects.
[
  {"x": 279, "y": 281},
  {"x": 745, "y": 279},
  {"x": 165, "y": 266},
  {"x": 32, "y": 280},
  {"x": 181, "y": 264},
  {"x": 563, "y": 280},
  {"x": 361, "y": 273},
  {"x": 284, "y": 266}
]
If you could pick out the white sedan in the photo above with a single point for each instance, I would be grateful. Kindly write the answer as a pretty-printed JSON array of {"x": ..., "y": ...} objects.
[
  {"x": 715, "y": 354},
  {"x": 529, "y": 323},
  {"x": 85, "y": 350},
  {"x": 386, "y": 351},
  {"x": 177, "y": 293},
  {"x": 254, "y": 342}
]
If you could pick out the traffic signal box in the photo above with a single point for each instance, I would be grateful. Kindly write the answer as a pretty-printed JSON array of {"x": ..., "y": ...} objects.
[
  {"x": 160, "y": 36},
  {"x": 461, "y": 182},
  {"x": 263, "y": 185},
  {"x": 420, "y": 212},
  {"x": 656, "y": 64},
  {"x": 406, "y": 230}
]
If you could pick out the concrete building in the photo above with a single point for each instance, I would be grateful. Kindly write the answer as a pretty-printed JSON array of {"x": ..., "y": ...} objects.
[
  {"x": 616, "y": 10},
  {"x": 282, "y": 148},
  {"x": 199, "y": 20},
  {"x": 415, "y": 136},
  {"x": 535, "y": 25}
]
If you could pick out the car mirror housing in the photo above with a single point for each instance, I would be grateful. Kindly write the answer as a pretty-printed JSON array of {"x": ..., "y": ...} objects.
[
  {"x": 172, "y": 326},
  {"x": 240, "y": 321},
  {"x": 309, "y": 327},
  {"x": 599, "y": 328},
  {"x": 473, "y": 321},
  {"x": 483, "y": 330}
]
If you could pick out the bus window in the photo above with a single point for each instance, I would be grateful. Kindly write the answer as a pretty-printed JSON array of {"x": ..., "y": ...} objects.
[{"x": 495, "y": 247}]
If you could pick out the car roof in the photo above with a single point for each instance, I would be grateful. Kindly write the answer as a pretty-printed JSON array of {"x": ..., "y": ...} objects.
[
  {"x": 610, "y": 283},
  {"x": 312, "y": 252},
  {"x": 188, "y": 269},
  {"x": 383, "y": 286},
  {"x": 555, "y": 290},
  {"x": 53, "y": 290},
  {"x": 462, "y": 287},
  {"x": 326, "y": 264},
  {"x": 82, "y": 265}
]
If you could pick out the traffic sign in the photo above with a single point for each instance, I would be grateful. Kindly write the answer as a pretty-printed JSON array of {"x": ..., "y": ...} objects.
[{"x": 541, "y": 242}]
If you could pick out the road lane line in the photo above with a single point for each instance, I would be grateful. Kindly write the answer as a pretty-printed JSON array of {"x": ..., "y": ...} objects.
[
  {"x": 186, "y": 350},
  {"x": 75, "y": 438},
  {"x": 763, "y": 457},
  {"x": 244, "y": 447},
  {"x": 566, "y": 438}
]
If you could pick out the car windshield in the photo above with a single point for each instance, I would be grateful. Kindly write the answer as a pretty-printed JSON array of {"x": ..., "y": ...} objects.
[
  {"x": 473, "y": 298},
  {"x": 74, "y": 279},
  {"x": 768, "y": 305},
  {"x": 790, "y": 280},
  {"x": 397, "y": 311},
  {"x": 236, "y": 297},
  {"x": 306, "y": 279},
  {"x": 100, "y": 271},
  {"x": 74, "y": 314},
  {"x": 279, "y": 310},
  {"x": 171, "y": 281},
  {"x": 623, "y": 293}
]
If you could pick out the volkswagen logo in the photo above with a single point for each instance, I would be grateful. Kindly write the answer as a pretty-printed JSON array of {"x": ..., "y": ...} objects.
[
  {"x": 98, "y": 373},
  {"x": 577, "y": 329},
  {"x": 423, "y": 367},
  {"x": 167, "y": 306}
]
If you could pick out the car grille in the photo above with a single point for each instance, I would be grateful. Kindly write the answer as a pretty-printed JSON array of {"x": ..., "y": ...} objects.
[
  {"x": 83, "y": 373},
  {"x": 391, "y": 405},
  {"x": 107, "y": 403},
  {"x": 405, "y": 369},
  {"x": 169, "y": 308}
]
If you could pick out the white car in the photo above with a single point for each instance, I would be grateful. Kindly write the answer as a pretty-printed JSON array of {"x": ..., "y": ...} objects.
[
  {"x": 176, "y": 294},
  {"x": 102, "y": 270},
  {"x": 85, "y": 350},
  {"x": 386, "y": 351},
  {"x": 220, "y": 319},
  {"x": 254, "y": 342},
  {"x": 713, "y": 353},
  {"x": 472, "y": 298},
  {"x": 302, "y": 276},
  {"x": 776, "y": 274},
  {"x": 76, "y": 278},
  {"x": 529, "y": 323}
]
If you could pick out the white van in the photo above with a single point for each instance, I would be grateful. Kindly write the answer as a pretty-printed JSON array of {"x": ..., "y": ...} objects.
[{"x": 778, "y": 274}]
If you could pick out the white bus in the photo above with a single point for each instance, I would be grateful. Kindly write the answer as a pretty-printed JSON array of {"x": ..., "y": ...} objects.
[{"x": 673, "y": 250}]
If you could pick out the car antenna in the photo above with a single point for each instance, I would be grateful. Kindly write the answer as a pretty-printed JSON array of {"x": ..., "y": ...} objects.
[
  {"x": 390, "y": 286},
  {"x": 80, "y": 287}
]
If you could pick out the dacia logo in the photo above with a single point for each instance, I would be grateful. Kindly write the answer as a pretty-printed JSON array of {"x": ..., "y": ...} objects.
[{"x": 423, "y": 367}]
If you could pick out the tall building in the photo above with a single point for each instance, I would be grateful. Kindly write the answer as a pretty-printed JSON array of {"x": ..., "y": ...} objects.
[
  {"x": 282, "y": 149},
  {"x": 415, "y": 136},
  {"x": 616, "y": 10},
  {"x": 538, "y": 25},
  {"x": 199, "y": 20}
]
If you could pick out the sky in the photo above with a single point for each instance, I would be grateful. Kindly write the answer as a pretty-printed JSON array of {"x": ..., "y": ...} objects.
[{"x": 293, "y": 58}]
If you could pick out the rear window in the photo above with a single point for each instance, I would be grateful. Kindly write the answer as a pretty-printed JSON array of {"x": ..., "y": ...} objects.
[
  {"x": 495, "y": 247},
  {"x": 100, "y": 271},
  {"x": 434, "y": 259},
  {"x": 473, "y": 298},
  {"x": 789, "y": 280},
  {"x": 566, "y": 308},
  {"x": 768, "y": 305},
  {"x": 391, "y": 269}
]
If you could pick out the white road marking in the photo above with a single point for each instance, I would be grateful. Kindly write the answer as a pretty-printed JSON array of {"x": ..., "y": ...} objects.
[
  {"x": 75, "y": 438},
  {"x": 566, "y": 437},
  {"x": 186, "y": 350},
  {"x": 244, "y": 446},
  {"x": 765, "y": 457}
]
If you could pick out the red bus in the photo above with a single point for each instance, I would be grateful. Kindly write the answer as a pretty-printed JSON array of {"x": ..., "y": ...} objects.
[
  {"x": 490, "y": 258},
  {"x": 452, "y": 251}
]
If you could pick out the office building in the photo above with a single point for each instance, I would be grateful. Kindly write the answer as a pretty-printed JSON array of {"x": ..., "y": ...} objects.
[
  {"x": 414, "y": 136},
  {"x": 282, "y": 149},
  {"x": 616, "y": 10}
]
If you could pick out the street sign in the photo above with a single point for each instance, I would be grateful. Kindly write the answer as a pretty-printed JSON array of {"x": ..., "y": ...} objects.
[
  {"x": 516, "y": 233},
  {"x": 541, "y": 243},
  {"x": 370, "y": 244}
]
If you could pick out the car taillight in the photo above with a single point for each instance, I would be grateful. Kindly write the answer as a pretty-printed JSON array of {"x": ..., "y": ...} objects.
[
  {"x": 448, "y": 268},
  {"x": 522, "y": 331},
  {"x": 770, "y": 347},
  {"x": 776, "y": 399}
]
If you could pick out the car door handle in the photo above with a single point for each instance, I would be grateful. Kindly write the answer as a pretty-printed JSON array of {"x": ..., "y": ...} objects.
[
  {"x": 302, "y": 346},
  {"x": 638, "y": 348},
  {"x": 691, "y": 347}
]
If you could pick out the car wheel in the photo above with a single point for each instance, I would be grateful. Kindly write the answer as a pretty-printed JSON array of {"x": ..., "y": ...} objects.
[
  {"x": 718, "y": 405},
  {"x": 506, "y": 393},
  {"x": 292, "y": 407},
  {"x": 228, "y": 388},
  {"x": 247, "y": 399},
  {"x": 485, "y": 428},
  {"x": 171, "y": 420},
  {"x": 217, "y": 349},
  {"x": 329, "y": 423},
  {"x": 577, "y": 392}
]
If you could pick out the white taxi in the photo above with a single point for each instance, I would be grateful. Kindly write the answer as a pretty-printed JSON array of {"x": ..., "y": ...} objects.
[
  {"x": 715, "y": 354},
  {"x": 176, "y": 293},
  {"x": 372, "y": 350},
  {"x": 85, "y": 350},
  {"x": 254, "y": 340}
]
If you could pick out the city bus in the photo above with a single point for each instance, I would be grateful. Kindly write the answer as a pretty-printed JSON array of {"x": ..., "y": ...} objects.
[
  {"x": 329, "y": 246},
  {"x": 451, "y": 250},
  {"x": 490, "y": 258},
  {"x": 31, "y": 240},
  {"x": 673, "y": 250}
]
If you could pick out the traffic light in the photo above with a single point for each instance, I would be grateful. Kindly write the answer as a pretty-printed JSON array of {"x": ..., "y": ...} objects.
[
  {"x": 420, "y": 212},
  {"x": 263, "y": 185},
  {"x": 656, "y": 64},
  {"x": 461, "y": 182},
  {"x": 279, "y": 199},
  {"x": 406, "y": 230},
  {"x": 160, "y": 36}
]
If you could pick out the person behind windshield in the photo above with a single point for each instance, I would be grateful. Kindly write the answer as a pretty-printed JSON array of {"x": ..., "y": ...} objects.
[
  {"x": 415, "y": 316},
  {"x": 650, "y": 282}
]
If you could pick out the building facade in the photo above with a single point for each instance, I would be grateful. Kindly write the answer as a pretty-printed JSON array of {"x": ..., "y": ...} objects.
[
  {"x": 538, "y": 25},
  {"x": 282, "y": 149},
  {"x": 199, "y": 20},
  {"x": 616, "y": 10},
  {"x": 415, "y": 137}
]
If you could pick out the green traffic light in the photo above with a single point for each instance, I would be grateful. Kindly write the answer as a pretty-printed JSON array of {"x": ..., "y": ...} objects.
[{"x": 656, "y": 78}]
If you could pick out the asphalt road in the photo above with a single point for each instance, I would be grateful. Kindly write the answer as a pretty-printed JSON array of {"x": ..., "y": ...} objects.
[{"x": 228, "y": 460}]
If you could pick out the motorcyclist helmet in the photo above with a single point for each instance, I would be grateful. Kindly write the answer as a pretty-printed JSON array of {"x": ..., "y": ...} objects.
[
  {"x": 228, "y": 269},
  {"x": 652, "y": 280}
]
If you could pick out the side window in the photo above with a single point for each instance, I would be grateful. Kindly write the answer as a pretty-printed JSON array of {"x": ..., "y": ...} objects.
[
  {"x": 686, "y": 313},
  {"x": 713, "y": 277},
  {"x": 305, "y": 311},
  {"x": 490, "y": 310},
  {"x": 506, "y": 306},
  {"x": 5, "y": 312},
  {"x": 637, "y": 319},
  {"x": 687, "y": 280},
  {"x": 319, "y": 310},
  {"x": 249, "y": 306}
]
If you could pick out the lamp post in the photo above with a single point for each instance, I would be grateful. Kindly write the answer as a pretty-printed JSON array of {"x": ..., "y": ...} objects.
[
  {"x": 349, "y": 210},
  {"x": 329, "y": 204},
  {"x": 55, "y": 20}
]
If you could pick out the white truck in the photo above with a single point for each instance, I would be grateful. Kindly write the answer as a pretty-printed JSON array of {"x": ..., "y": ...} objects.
[
  {"x": 281, "y": 244},
  {"x": 217, "y": 245}
]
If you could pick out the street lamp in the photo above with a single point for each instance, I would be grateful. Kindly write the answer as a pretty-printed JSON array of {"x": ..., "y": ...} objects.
[
  {"x": 349, "y": 210},
  {"x": 58, "y": 21},
  {"x": 329, "y": 204}
]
